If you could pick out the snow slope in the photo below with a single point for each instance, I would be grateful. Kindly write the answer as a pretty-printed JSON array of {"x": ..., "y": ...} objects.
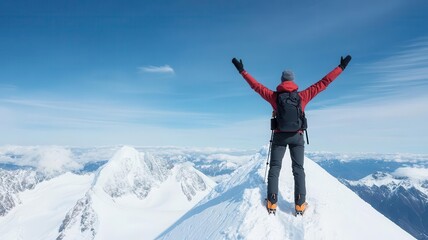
[
  {"x": 235, "y": 210},
  {"x": 41, "y": 210}
]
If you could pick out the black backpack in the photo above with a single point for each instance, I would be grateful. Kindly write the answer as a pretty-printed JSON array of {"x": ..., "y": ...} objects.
[{"x": 289, "y": 115}]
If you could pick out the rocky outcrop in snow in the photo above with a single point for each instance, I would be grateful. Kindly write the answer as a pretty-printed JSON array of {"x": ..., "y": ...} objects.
[
  {"x": 191, "y": 182},
  {"x": 14, "y": 182},
  {"x": 83, "y": 229}
]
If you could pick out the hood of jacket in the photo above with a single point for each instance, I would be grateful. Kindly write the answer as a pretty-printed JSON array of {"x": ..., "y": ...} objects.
[{"x": 287, "y": 86}]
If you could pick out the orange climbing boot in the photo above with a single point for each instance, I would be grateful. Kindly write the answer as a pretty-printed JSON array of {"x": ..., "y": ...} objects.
[
  {"x": 271, "y": 205},
  {"x": 300, "y": 209}
]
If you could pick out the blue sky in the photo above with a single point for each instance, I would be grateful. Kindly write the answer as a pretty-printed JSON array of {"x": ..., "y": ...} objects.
[{"x": 159, "y": 72}]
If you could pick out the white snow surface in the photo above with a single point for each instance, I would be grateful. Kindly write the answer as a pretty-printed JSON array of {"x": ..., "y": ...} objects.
[
  {"x": 236, "y": 210},
  {"x": 42, "y": 209}
]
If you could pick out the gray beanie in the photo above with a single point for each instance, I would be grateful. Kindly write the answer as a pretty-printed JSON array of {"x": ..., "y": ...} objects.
[{"x": 287, "y": 75}]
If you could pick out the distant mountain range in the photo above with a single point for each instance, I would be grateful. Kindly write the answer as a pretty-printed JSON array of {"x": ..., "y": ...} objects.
[{"x": 394, "y": 184}]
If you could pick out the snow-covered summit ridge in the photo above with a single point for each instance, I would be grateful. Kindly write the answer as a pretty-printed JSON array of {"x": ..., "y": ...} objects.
[
  {"x": 235, "y": 210},
  {"x": 130, "y": 171}
]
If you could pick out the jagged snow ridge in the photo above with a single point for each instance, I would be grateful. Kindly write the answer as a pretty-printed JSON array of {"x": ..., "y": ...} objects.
[
  {"x": 235, "y": 210},
  {"x": 86, "y": 227}
]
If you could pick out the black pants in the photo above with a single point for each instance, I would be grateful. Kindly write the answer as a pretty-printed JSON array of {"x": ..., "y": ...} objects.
[{"x": 296, "y": 144}]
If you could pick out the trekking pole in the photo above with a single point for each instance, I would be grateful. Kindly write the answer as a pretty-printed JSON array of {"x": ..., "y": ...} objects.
[
  {"x": 307, "y": 139},
  {"x": 268, "y": 155},
  {"x": 272, "y": 128}
]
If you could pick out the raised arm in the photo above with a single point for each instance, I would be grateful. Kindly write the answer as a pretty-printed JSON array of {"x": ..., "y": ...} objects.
[
  {"x": 309, "y": 93},
  {"x": 264, "y": 92}
]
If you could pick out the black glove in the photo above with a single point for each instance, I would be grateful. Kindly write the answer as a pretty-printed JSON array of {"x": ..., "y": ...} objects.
[
  {"x": 344, "y": 61},
  {"x": 238, "y": 64}
]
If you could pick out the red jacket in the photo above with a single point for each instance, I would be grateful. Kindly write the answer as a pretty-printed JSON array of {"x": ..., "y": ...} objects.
[{"x": 289, "y": 86}]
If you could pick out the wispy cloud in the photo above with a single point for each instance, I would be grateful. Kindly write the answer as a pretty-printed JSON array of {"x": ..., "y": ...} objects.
[
  {"x": 66, "y": 114},
  {"x": 376, "y": 126},
  {"x": 157, "y": 69},
  {"x": 386, "y": 113},
  {"x": 36, "y": 121},
  {"x": 403, "y": 71}
]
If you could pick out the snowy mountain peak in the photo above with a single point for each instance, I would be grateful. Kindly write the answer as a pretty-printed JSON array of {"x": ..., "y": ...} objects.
[
  {"x": 134, "y": 186},
  {"x": 130, "y": 172},
  {"x": 235, "y": 210},
  {"x": 126, "y": 152}
]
